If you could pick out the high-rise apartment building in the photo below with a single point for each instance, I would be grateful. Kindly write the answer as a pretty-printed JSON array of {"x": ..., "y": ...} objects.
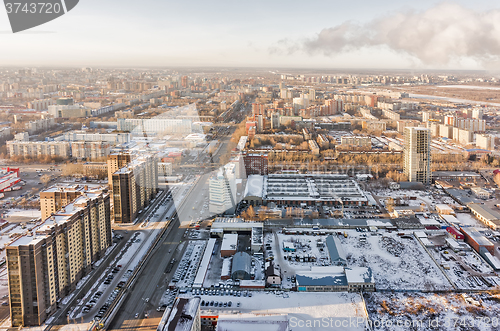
[
  {"x": 115, "y": 162},
  {"x": 46, "y": 265},
  {"x": 59, "y": 195},
  {"x": 485, "y": 141},
  {"x": 257, "y": 109},
  {"x": 417, "y": 154},
  {"x": 184, "y": 81},
  {"x": 133, "y": 187}
]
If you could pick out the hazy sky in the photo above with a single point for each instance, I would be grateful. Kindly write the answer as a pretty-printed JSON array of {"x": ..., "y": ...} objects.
[{"x": 272, "y": 33}]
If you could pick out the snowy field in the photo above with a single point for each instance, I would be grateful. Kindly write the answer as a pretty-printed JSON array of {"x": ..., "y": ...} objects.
[
  {"x": 464, "y": 270},
  {"x": 440, "y": 312},
  {"x": 16, "y": 214},
  {"x": 397, "y": 263},
  {"x": 303, "y": 308}
]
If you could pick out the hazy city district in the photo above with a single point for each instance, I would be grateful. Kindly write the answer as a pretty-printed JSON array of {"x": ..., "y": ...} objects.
[{"x": 245, "y": 199}]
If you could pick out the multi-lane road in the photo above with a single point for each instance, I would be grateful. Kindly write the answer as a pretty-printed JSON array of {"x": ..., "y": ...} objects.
[{"x": 152, "y": 282}]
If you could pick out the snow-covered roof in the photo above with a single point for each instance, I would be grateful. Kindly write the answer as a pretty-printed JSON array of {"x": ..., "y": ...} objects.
[
  {"x": 229, "y": 242},
  {"x": 182, "y": 315},
  {"x": 359, "y": 275},
  {"x": 249, "y": 322},
  {"x": 335, "y": 249},
  {"x": 254, "y": 187},
  {"x": 319, "y": 277}
]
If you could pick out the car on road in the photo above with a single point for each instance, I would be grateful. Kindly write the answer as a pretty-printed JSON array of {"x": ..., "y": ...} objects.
[{"x": 136, "y": 315}]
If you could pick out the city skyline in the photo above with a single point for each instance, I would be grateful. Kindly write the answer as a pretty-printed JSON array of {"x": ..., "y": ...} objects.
[{"x": 285, "y": 35}]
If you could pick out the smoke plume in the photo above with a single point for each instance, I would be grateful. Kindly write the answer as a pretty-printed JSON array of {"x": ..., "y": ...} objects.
[{"x": 437, "y": 36}]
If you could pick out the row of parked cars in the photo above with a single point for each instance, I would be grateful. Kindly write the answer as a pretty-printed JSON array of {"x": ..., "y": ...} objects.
[
  {"x": 92, "y": 302},
  {"x": 222, "y": 292},
  {"x": 219, "y": 304},
  {"x": 102, "y": 311}
]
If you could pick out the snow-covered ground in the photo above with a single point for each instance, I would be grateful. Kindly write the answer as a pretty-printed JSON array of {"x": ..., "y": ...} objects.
[
  {"x": 397, "y": 263},
  {"x": 307, "y": 246},
  {"x": 346, "y": 309},
  {"x": 441, "y": 312},
  {"x": 24, "y": 213},
  {"x": 462, "y": 272}
]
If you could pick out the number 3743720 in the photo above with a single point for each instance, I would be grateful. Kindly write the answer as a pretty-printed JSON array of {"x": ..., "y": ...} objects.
[{"x": 33, "y": 7}]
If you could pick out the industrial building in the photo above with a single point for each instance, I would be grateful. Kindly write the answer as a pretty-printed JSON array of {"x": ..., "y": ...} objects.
[
  {"x": 476, "y": 240},
  {"x": 304, "y": 189},
  {"x": 9, "y": 177},
  {"x": 456, "y": 234},
  {"x": 335, "y": 279},
  {"x": 222, "y": 226},
  {"x": 67, "y": 111},
  {"x": 480, "y": 193},
  {"x": 462, "y": 176},
  {"x": 444, "y": 209},
  {"x": 241, "y": 267},
  {"x": 229, "y": 244},
  {"x": 488, "y": 216},
  {"x": 337, "y": 254},
  {"x": 46, "y": 265}
]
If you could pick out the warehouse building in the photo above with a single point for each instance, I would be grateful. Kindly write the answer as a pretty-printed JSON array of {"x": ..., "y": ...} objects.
[
  {"x": 444, "y": 209},
  {"x": 486, "y": 215},
  {"x": 223, "y": 225},
  {"x": 335, "y": 279},
  {"x": 304, "y": 189},
  {"x": 242, "y": 266},
  {"x": 337, "y": 254},
  {"x": 476, "y": 240},
  {"x": 455, "y": 233},
  {"x": 461, "y": 176},
  {"x": 229, "y": 244}
]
